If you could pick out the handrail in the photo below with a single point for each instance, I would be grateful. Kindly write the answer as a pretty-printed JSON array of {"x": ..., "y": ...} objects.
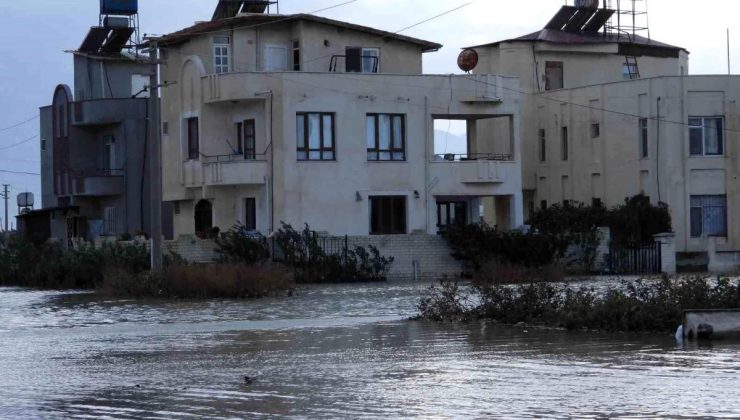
[
  {"x": 335, "y": 61},
  {"x": 233, "y": 157},
  {"x": 456, "y": 157}
]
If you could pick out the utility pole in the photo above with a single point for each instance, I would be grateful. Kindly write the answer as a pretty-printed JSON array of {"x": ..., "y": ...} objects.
[
  {"x": 155, "y": 161},
  {"x": 5, "y": 197}
]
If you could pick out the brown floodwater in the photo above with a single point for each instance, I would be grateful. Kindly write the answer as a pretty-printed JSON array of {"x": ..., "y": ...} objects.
[{"x": 345, "y": 351}]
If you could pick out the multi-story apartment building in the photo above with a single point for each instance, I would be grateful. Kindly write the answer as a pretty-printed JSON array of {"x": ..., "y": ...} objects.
[
  {"x": 608, "y": 114},
  {"x": 302, "y": 119},
  {"x": 94, "y": 178}
]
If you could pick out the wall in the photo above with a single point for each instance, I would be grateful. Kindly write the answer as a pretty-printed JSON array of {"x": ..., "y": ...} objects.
[{"x": 615, "y": 155}]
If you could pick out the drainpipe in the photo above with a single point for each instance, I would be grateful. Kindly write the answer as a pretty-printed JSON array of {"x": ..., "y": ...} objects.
[
  {"x": 657, "y": 151},
  {"x": 427, "y": 117}
]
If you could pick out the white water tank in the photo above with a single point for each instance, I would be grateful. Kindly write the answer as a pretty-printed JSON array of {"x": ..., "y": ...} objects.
[{"x": 587, "y": 4}]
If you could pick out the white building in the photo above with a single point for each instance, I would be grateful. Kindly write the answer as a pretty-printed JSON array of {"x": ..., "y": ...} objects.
[{"x": 304, "y": 119}]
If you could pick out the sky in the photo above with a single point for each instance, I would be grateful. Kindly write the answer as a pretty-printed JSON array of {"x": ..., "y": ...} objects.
[{"x": 35, "y": 34}]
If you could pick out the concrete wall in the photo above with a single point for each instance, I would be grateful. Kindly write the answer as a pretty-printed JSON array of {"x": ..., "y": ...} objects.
[{"x": 611, "y": 168}]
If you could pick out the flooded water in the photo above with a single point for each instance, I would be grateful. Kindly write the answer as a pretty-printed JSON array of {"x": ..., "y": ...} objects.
[{"x": 336, "y": 351}]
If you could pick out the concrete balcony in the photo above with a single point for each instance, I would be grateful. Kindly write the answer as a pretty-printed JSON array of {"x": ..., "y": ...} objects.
[
  {"x": 234, "y": 170},
  {"x": 107, "y": 111},
  {"x": 98, "y": 186},
  {"x": 475, "y": 176}
]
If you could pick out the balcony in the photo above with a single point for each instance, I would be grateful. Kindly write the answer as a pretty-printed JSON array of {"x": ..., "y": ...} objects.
[
  {"x": 90, "y": 184},
  {"x": 234, "y": 170},
  {"x": 107, "y": 111},
  {"x": 461, "y": 174}
]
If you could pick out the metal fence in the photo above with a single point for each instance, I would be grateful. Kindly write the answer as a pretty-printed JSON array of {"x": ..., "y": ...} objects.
[{"x": 635, "y": 259}]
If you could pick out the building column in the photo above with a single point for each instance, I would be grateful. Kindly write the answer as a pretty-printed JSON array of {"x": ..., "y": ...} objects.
[
  {"x": 516, "y": 215},
  {"x": 667, "y": 252}
]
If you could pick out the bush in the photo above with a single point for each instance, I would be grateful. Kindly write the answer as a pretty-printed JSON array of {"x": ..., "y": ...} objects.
[
  {"x": 312, "y": 264},
  {"x": 240, "y": 247},
  {"x": 236, "y": 281},
  {"x": 636, "y": 306}
]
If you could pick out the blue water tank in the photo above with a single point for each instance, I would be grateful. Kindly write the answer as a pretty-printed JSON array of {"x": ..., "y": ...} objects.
[{"x": 119, "y": 7}]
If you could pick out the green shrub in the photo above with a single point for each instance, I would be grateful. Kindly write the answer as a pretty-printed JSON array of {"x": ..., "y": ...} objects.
[
  {"x": 635, "y": 306},
  {"x": 312, "y": 264},
  {"x": 237, "y": 246}
]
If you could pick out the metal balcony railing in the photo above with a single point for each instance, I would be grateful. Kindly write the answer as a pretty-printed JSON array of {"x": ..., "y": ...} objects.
[{"x": 456, "y": 157}]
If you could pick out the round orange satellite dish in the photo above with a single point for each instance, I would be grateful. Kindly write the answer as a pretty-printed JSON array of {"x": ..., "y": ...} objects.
[{"x": 467, "y": 60}]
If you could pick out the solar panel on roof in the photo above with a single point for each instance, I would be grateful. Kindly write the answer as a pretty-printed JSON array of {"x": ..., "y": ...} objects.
[
  {"x": 564, "y": 15},
  {"x": 117, "y": 40},
  {"x": 579, "y": 19},
  {"x": 94, "y": 40},
  {"x": 598, "y": 21}
]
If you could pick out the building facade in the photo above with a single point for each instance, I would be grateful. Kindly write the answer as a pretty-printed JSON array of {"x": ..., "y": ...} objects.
[{"x": 301, "y": 119}]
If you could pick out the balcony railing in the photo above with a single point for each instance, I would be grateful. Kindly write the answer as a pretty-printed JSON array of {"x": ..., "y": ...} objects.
[
  {"x": 90, "y": 183},
  {"x": 234, "y": 169},
  {"x": 455, "y": 157}
]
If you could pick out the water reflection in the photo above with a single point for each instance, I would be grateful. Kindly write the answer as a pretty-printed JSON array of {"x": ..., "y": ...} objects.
[{"x": 341, "y": 351}]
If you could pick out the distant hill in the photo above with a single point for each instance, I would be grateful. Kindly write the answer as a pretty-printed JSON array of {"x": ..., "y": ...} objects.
[{"x": 445, "y": 142}]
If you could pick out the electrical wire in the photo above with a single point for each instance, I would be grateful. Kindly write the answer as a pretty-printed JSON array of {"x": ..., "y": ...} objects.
[
  {"x": 19, "y": 124},
  {"x": 19, "y": 143},
  {"x": 19, "y": 172}
]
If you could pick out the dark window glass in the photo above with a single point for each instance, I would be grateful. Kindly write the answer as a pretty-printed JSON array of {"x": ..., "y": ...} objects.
[
  {"x": 296, "y": 55},
  {"x": 543, "y": 204},
  {"x": 387, "y": 215},
  {"x": 239, "y": 138},
  {"x": 353, "y": 60},
  {"x": 315, "y": 136},
  {"x": 706, "y": 136},
  {"x": 564, "y": 144},
  {"x": 643, "y": 137},
  {"x": 543, "y": 145},
  {"x": 386, "y": 137},
  {"x": 193, "y": 142},
  {"x": 595, "y": 130},
  {"x": 250, "y": 148},
  {"x": 596, "y": 203},
  {"x": 250, "y": 214},
  {"x": 451, "y": 213},
  {"x": 553, "y": 75},
  {"x": 708, "y": 215}
]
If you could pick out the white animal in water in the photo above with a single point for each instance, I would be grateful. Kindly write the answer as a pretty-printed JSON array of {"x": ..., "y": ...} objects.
[{"x": 679, "y": 333}]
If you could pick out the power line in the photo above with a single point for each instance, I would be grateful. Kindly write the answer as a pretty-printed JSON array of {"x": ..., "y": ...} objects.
[
  {"x": 19, "y": 172},
  {"x": 19, "y": 124},
  {"x": 19, "y": 143}
]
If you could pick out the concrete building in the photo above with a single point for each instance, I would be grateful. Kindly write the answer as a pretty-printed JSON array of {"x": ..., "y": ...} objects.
[
  {"x": 94, "y": 179},
  {"x": 302, "y": 119},
  {"x": 607, "y": 116}
]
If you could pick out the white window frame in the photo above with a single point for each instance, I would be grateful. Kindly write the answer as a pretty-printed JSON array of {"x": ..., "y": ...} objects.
[
  {"x": 219, "y": 44},
  {"x": 708, "y": 203},
  {"x": 703, "y": 128},
  {"x": 366, "y": 52}
]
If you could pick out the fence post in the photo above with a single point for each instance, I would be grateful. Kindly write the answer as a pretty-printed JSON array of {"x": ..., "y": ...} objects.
[{"x": 667, "y": 252}]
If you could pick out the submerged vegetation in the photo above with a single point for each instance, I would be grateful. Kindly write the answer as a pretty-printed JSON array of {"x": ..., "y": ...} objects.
[{"x": 650, "y": 305}]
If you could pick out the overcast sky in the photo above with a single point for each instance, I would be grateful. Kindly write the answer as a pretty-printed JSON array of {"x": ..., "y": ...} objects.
[{"x": 36, "y": 33}]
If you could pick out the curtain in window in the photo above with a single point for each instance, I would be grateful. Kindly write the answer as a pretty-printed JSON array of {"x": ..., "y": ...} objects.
[
  {"x": 708, "y": 215},
  {"x": 713, "y": 136}
]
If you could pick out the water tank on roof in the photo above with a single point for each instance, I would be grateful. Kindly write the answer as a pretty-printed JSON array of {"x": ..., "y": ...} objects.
[
  {"x": 25, "y": 199},
  {"x": 119, "y": 7},
  {"x": 587, "y": 4}
]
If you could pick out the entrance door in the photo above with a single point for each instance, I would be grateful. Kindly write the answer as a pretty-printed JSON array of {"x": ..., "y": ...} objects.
[
  {"x": 203, "y": 218},
  {"x": 451, "y": 213}
]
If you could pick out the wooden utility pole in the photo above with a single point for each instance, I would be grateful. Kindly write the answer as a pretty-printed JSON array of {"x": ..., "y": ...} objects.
[{"x": 155, "y": 161}]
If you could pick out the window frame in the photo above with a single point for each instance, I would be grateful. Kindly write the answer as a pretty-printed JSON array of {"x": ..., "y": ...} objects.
[
  {"x": 363, "y": 55},
  {"x": 392, "y": 151},
  {"x": 296, "y": 54},
  {"x": 378, "y": 227},
  {"x": 548, "y": 79},
  {"x": 220, "y": 68},
  {"x": 564, "y": 151},
  {"x": 703, "y": 127},
  {"x": 109, "y": 153},
  {"x": 249, "y": 148},
  {"x": 307, "y": 141},
  {"x": 109, "y": 220},
  {"x": 250, "y": 214},
  {"x": 595, "y": 130},
  {"x": 193, "y": 144},
  {"x": 702, "y": 229},
  {"x": 542, "y": 134},
  {"x": 448, "y": 205},
  {"x": 643, "y": 132}
]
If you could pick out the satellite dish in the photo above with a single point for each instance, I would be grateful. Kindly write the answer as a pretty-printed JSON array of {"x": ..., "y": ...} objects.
[{"x": 467, "y": 60}]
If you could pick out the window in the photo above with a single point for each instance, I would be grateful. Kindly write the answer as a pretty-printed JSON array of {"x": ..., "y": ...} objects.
[
  {"x": 165, "y": 128},
  {"x": 221, "y": 52},
  {"x": 370, "y": 60},
  {"x": 193, "y": 143},
  {"x": 553, "y": 75},
  {"x": 630, "y": 71},
  {"x": 315, "y": 136},
  {"x": 43, "y": 144},
  {"x": 451, "y": 213},
  {"x": 543, "y": 204},
  {"x": 595, "y": 130},
  {"x": 276, "y": 58},
  {"x": 109, "y": 153},
  {"x": 176, "y": 207},
  {"x": 543, "y": 145},
  {"x": 706, "y": 136},
  {"x": 386, "y": 139},
  {"x": 388, "y": 215},
  {"x": 708, "y": 215},
  {"x": 245, "y": 143},
  {"x": 643, "y": 125},
  {"x": 564, "y": 143},
  {"x": 596, "y": 203},
  {"x": 250, "y": 214},
  {"x": 296, "y": 55},
  {"x": 109, "y": 221}
]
